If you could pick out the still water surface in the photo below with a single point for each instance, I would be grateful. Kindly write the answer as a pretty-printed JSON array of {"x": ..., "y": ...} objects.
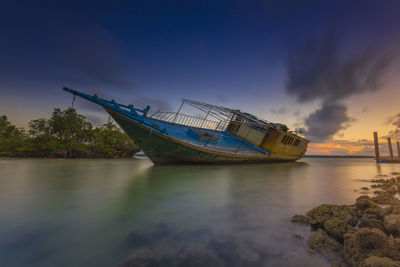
[{"x": 96, "y": 212}]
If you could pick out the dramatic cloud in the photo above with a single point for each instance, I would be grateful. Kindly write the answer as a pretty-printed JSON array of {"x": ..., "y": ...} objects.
[
  {"x": 326, "y": 121},
  {"x": 395, "y": 121},
  {"x": 319, "y": 70}
]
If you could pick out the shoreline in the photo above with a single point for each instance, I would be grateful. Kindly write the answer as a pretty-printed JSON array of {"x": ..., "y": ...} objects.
[
  {"x": 111, "y": 158},
  {"x": 366, "y": 233}
]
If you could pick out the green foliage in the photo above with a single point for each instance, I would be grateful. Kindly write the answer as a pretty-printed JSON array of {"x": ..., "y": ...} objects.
[
  {"x": 65, "y": 134},
  {"x": 12, "y": 138}
]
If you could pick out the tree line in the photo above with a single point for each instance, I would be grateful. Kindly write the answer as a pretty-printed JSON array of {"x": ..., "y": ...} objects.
[{"x": 65, "y": 134}]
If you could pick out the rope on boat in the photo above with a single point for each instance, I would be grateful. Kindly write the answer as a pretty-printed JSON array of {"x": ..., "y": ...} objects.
[{"x": 73, "y": 100}]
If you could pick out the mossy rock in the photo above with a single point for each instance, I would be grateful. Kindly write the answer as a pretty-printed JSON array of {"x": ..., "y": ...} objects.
[
  {"x": 368, "y": 242},
  {"x": 386, "y": 199},
  {"x": 392, "y": 224},
  {"x": 394, "y": 210},
  {"x": 325, "y": 245},
  {"x": 338, "y": 228},
  {"x": 301, "y": 219},
  {"x": 374, "y": 261},
  {"x": 322, "y": 213},
  {"x": 365, "y": 202},
  {"x": 378, "y": 211},
  {"x": 141, "y": 258},
  {"x": 370, "y": 216},
  {"x": 380, "y": 181},
  {"x": 371, "y": 221},
  {"x": 197, "y": 257}
]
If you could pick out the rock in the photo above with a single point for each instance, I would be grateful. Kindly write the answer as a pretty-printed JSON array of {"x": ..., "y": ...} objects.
[
  {"x": 234, "y": 252},
  {"x": 325, "y": 245},
  {"x": 395, "y": 210},
  {"x": 197, "y": 257},
  {"x": 199, "y": 234},
  {"x": 338, "y": 228},
  {"x": 379, "y": 180},
  {"x": 391, "y": 190},
  {"x": 395, "y": 173},
  {"x": 336, "y": 264},
  {"x": 246, "y": 256},
  {"x": 370, "y": 216},
  {"x": 392, "y": 224},
  {"x": 365, "y": 202},
  {"x": 374, "y": 261},
  {"x": 311, "y": 252},
  {"x": 145, "y": 236},
  {"x": 365, "y": 188},
  {"x": 386, "y": 199},
  {"x": 378, "y": 211},
  {"x": 322, "y": 213},
  {"x": 225, "y": 247},
  {"x": 301, "y": 219},
  {"x": 142, "y": 258},
  {"x": 368, "y": 242},
  {"x": 371, "y": 221},
  {"x": 298, "y": 236}
]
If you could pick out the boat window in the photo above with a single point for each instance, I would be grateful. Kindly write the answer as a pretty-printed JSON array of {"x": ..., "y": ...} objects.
[
  {"x": 297, "y": 142},
  {"x": 287, "y": 140},
  {"x": 284, "y": 139},
  {"x": 290, "y": 140}
]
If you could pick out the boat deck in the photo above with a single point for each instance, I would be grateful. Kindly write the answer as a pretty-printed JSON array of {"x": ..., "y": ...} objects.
[{"x": 224, "y": 141}]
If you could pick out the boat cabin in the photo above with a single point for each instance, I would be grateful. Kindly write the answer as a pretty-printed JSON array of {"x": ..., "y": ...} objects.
[{"x": 222, "y": 121}]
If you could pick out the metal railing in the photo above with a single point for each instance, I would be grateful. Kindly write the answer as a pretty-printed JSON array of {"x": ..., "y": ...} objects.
[
  {"x": 216, "y": 127},
  {"x": 188, "y": 120}
]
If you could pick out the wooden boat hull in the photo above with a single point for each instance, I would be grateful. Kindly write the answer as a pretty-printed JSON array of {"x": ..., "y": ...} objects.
[{"x": 164, "y": 149}]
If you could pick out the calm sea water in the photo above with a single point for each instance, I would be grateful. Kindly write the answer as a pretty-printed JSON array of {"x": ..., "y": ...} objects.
[{"x": 97, "y": 212}]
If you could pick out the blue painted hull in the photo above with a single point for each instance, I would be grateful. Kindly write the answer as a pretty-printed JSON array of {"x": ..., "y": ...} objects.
[
  {"x": 164, "y": 149},
  {"x": 165, "y": 142}
]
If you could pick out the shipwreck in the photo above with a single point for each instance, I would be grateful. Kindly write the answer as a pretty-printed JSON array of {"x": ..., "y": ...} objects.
[{"x": 222, "y": 136}]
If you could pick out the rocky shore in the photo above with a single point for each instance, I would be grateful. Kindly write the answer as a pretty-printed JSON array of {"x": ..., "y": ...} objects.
[{"x": 365, "y": 234}]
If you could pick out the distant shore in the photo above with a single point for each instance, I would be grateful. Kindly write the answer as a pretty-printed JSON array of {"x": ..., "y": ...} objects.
[
  {"x": 62, "y": 157},
  {"x": 338, "y": 156}
]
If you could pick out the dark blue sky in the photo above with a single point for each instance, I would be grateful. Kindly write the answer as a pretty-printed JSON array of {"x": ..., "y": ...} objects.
[{"x": 232, "y": 53}]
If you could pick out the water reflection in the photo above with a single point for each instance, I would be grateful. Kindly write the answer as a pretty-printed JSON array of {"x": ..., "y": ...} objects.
[{"x": 110, "y": 208}]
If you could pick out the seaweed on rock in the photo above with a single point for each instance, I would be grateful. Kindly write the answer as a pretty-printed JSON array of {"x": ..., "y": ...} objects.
[{"x": 363, "y": 234}]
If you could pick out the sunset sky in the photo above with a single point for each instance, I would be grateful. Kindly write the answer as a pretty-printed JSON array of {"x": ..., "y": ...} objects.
[{"x": 330, "y": 67}]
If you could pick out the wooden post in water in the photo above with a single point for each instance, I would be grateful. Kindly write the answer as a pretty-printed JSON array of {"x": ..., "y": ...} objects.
[
  {"x": 398, "y": 148},
  {"x": 390, "y": 147},
  {"x": 376, "y": 146}
]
